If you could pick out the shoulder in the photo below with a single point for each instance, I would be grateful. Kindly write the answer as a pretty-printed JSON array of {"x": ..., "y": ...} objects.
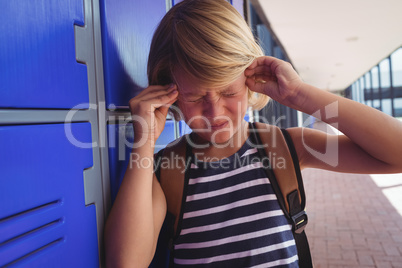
[{"x": 176, "y": 147}]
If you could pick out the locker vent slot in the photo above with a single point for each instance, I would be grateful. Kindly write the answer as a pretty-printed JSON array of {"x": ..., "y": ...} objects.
[
  {"x": 51, "y": 244},
  {"x": 29, "y": 232},
  {"x": 43, "y": 227},
  {"x": 32, "y": 210}
]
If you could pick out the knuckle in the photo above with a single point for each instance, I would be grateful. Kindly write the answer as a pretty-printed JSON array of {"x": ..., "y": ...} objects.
[
  {"x": 161, "y": 98},
  {"x": 133, "y": 103}
]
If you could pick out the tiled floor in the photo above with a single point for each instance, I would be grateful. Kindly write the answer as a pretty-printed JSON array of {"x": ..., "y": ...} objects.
[{"x": 354, "y": 220}]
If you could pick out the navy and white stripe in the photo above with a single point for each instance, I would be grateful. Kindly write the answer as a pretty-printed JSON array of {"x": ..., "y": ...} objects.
[{"x": 231, "y": 217}]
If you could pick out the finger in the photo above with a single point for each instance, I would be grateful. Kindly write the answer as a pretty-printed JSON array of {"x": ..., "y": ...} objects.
[
  {"x": 162, "y": 92},
  {"x": 259, "y": 69},
  {"x": 153, "y": 100},
  {"x": 259, "y": 86},
  {"x": 152, "y": 96},
  {"x": 251, "y": 83},
  {"x": 264, "y": 61},
  {"x": 249, "y": 72},
  {"x": 256, "y": 62},
  {"x": 155, "y": 90},
  {"x": 262, "y": 69},
  {"x": 159, "y": 100},
  {"x": 165, "y": 108}
]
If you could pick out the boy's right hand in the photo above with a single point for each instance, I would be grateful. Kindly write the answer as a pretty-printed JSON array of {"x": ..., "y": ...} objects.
[{"x": 149, "y": 110}]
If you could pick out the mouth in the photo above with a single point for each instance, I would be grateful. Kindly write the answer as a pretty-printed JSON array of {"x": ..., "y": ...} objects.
[{"x": 219, "y": 125}]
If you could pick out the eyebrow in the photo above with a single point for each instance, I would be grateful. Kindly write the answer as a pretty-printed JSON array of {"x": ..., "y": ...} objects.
[
  {"x": 228, "y": 89},
  {"x": 202, "y": 95},
  {"x": 190, "y": 94}
]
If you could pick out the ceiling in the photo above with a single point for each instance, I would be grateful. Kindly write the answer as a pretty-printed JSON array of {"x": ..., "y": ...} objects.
[{"x": 332, "y": 43}]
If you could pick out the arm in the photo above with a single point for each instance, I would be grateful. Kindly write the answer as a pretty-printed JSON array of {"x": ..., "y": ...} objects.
[
  {"x": 370, "y": 143},
  {"x": 134, "y": 223}
]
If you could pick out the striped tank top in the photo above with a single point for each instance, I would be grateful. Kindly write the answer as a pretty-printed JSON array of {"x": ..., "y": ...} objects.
[{"x": 231, "y": 217}]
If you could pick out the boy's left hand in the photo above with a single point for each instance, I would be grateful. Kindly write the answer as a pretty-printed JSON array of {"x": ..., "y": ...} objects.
[{"x": 274, "y": 78}]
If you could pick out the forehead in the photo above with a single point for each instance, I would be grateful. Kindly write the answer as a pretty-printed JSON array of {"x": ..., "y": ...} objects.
[{"x": 188, "y": 85}]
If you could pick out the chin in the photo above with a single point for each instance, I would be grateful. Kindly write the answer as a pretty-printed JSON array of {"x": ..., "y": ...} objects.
[
  {"x": 222, "y": 137},
  {"x": 219, "y": 135}
]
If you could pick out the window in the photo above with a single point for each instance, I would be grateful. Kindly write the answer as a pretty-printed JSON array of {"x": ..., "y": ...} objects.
[
  {"x": 361, "y": 90},
  {"x": 375, "y": 84},
  {"x": 367, "y": 90},
  {"x": 396, "y": 65},
  {"x": 385, "y": 81}
]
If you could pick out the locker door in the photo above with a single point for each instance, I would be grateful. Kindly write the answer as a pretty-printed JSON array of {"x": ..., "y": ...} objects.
[
  {"x": 127, "y": 29},
  {"x": 38, "y": 68},
  {"x": 50, "y": 190},
  {"x": 43, "y": 218}
]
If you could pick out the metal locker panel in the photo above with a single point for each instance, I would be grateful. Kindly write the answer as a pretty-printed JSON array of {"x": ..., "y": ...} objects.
[
  {"x": 38, "y": 68},
  {"x": 43, "y": 218},
  {"x": 127, "y": 29}
]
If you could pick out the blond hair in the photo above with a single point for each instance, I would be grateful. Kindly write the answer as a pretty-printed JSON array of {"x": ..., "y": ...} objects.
[{"x": 207, "y": 39}]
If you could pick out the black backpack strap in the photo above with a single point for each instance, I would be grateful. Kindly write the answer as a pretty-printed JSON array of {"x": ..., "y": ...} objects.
[
  {"x": 286, "y": 181},
  {"x": 303, "y": 247},
  {"x": 296, "y": 205}
]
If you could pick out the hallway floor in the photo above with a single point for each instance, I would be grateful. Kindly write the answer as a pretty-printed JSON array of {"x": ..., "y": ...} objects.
[{"x": 354, "y": 220}]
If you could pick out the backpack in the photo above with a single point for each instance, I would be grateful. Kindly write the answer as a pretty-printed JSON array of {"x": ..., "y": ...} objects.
[{"x": 286, "y": 182}]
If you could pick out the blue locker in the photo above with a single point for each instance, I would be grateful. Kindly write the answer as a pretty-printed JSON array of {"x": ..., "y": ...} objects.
[
  {"x": 43, "y": 218},
  {"x": 184, "y": 128},
  {"x": 38, "y": 68},
  {"x": 121, "y": 138},
  {"x": 127, "y": 29},
  {"x": 167, "y": 136}
]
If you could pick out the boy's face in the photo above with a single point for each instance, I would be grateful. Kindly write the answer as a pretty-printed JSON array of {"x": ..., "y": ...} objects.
[{"x": 214, "y": 114}]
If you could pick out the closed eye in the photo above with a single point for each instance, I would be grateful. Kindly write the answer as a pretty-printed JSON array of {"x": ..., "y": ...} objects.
[
  {"x": 195, "y": 101},
  {"x": 192, "y": 100},
  {"x": 228, "y": 94}
]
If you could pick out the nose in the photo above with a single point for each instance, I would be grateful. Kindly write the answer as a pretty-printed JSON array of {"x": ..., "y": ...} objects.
[{"x": 213, "y": 107}]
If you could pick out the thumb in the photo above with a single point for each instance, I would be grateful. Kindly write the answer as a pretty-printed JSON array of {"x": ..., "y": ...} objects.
[
  {"x": 164, "y": 109},
  {"x": 256, "y": 85}
]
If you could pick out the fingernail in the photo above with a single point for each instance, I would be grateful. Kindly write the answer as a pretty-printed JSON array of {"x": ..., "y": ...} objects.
[{"x": 171, "y": 86}]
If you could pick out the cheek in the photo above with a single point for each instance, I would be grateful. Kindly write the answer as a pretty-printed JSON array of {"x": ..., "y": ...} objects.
[
  {"x": 189, "y": 111},
  {"x": 240, "y": 102}
]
